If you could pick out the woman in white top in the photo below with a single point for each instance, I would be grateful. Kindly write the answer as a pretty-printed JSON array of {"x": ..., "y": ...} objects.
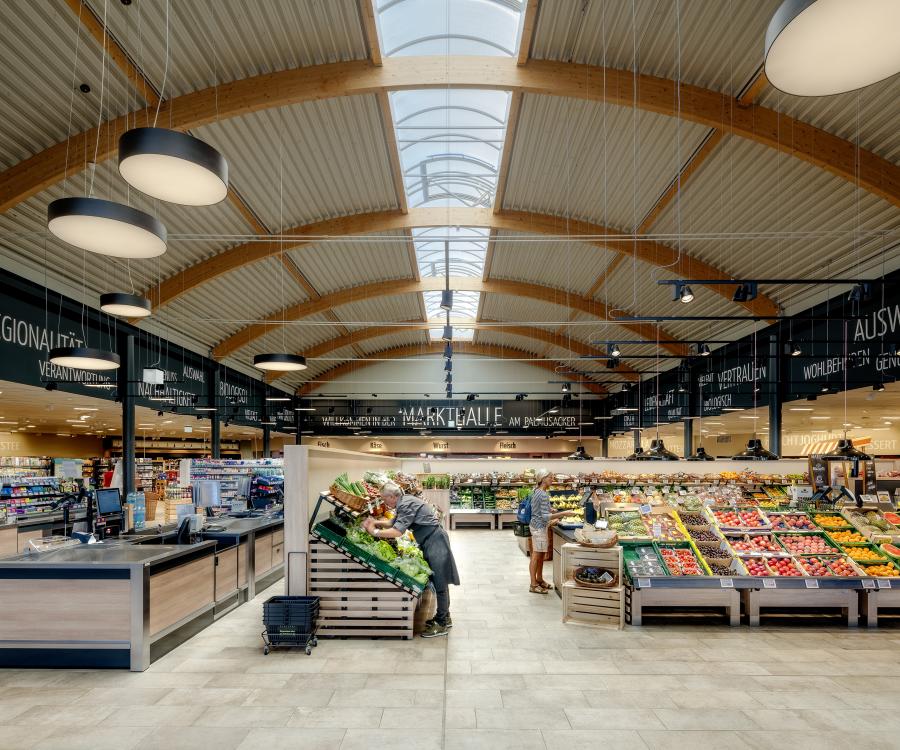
[{"x": 541, "y": 516}]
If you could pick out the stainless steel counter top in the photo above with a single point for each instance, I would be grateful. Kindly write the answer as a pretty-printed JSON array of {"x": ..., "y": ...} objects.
[
  {"x": 241, "y": 526},
  {"x": 105, "y": 554}
]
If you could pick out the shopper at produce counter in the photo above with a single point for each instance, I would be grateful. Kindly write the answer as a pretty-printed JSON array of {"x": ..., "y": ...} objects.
[
  {"x": 541, "y": 517},
  {"x": 414, "y": 514}
]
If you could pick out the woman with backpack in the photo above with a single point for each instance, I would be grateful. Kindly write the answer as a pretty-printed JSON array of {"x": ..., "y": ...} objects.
[{"x": 541, "y": 516}]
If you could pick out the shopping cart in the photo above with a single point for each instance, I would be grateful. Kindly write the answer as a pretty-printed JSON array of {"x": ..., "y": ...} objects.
[{"x": 291, "y": 622}]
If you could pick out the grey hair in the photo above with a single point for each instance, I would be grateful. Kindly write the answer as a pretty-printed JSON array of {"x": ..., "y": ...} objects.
[{"x": 391, "y": 489}]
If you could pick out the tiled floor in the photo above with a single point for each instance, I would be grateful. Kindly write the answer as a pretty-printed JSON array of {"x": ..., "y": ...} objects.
[{"x": 509, "y": 676}]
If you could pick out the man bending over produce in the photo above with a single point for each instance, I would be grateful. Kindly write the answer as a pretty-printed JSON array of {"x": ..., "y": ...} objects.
[{"x": 411, "y": 513}]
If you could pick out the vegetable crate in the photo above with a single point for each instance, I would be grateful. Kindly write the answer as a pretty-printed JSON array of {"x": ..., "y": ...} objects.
[
  {"x": 589, "y": 606},
  {"x": 354, "y": 601}
]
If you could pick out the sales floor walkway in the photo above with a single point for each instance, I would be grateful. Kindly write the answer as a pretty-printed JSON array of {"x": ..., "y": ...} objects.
[{"x": 509, "y": 676}]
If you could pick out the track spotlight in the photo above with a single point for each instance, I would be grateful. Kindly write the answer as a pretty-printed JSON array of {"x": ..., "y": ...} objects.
[
  {"x": 703, "y": 350},
  {"x": 878, "y": 387},
  {"x": 683, "y": 293},
  {"x": 448, "y": 365},
  {"x": 51, "y": 386},
  {"x": 794, "y": 349},
  {"x": 566, "y": 388},
  {"x": 625, "y": 388},
  {"x": 745, "y": 292},
  {"x": 566, "y": 399},
  {"x": 471, "y": 397},
  {"x": 612, "y": 363},
  {"x": 159, "y": 413},
  {"x": 825, "y": 388},
  {"x": 446, "y": 299},
  {"x": 448, "y": 333},
  {"x": 448, "y": 351},
  {"x": 614, "y": 350},
  {"x": 449, "y": 378},
  {"x": 331, "y": 410},
  {"x": 520, "y": 396}
]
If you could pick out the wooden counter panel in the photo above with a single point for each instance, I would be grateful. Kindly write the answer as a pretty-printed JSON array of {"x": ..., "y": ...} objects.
[
  {"x": 277, "y": 537},
  {"x": 277, "y": 555},
  {"x": 177, "y": 592},
  {"x": 9, "y": 541},
  {"x": 25, "y": 534},
  {"x": 226, "y": 573},
  {"x": 56, "y": 609},
  {"x": 263, "y": 554}
]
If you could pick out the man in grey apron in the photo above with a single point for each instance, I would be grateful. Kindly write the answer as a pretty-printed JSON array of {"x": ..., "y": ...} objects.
[{"x": 411, "y": 513}]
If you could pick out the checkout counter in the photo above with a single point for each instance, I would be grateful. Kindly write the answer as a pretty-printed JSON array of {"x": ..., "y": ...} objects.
[{"x": 124, "y": 602}]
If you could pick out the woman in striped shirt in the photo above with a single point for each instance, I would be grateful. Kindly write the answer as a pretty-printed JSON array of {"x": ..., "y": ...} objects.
[{"x": 541, "y": 516}]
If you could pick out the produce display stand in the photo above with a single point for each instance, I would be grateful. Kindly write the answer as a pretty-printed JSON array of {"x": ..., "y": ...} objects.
[
  {"x": 472, "y": 517},
  {"x": 360, "y": 596},
  {"x": 680, "y": 595},
  {"x": 812, "y": 594}
]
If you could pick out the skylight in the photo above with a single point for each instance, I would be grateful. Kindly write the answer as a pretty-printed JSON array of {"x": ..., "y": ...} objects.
[
  {"x": 468, "y": 248},
  {"x": 450, "y": 142},
  {"x": 455, "y": 27}
]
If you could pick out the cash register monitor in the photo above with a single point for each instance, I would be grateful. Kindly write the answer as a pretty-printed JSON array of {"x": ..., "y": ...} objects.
[{"x": 109, "y": 501}]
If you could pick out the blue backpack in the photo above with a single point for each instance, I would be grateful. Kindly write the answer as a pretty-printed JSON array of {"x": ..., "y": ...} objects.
[{"x": 523, "y": 514}]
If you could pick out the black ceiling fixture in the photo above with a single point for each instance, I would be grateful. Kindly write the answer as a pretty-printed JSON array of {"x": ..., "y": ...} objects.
[{"x": 84, "y": 88}]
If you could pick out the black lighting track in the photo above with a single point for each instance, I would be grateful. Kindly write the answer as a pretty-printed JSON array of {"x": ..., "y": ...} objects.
[{"x": 806, "y": 282}]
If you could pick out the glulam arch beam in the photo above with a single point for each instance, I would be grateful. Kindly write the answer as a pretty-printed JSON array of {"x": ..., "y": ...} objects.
[
  {"x": 366, "y": 292},
  {"x": 645, "y": 250},
  {"x": 530, "y": 332},
  {"x": 661, "y": 95},
  {"x": 459, "y": 347}
]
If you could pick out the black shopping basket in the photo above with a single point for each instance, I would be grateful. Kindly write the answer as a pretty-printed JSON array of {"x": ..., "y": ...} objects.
[{"x": 290, "y": 622}]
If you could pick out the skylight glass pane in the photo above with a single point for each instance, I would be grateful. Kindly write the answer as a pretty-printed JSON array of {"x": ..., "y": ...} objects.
[
  {"x": 455, "y": 27},
  {"x": 450, "y": 143},
  {"x": 459, "y": 334},
  {"x": 468, "y": 248}
]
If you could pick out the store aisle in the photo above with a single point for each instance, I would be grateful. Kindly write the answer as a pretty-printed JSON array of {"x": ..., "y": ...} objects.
[{"x": 510, "y": 675}]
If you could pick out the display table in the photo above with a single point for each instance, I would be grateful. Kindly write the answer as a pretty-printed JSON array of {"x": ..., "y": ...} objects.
[{"x": 885, "y": 596}]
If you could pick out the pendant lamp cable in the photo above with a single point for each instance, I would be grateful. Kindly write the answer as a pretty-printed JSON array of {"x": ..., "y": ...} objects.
[
  {"x": 162, "y": 89},
  {"x": 93, "y": 165},
  {"x": 72, "y": 95}
]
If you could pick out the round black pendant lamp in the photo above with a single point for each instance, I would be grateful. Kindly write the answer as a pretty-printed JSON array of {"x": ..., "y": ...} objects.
[
  {"x": 84, "y": 358},
  {"x": 173, "y": 166},
  {"x": 700, "y": 455},
  {"x": 846, "y": 450},
  {"x": 125, "y": 305},
  {"x": 659, "y": 452},
  {"x": 106, "y": 228},
  {"x": 755, "y": 452},
  {"x": 279, "y": 362},
  {"x": 825, "y": 47}
]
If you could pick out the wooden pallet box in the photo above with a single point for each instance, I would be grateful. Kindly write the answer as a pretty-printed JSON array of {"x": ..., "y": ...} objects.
[
  {"x": 587, "y": 606},
  {"x": 354, "y": 602},
  {"x": 575, "y": 556}
]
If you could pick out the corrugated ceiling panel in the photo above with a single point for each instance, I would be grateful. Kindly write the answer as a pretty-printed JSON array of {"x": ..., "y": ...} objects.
[
  {"x": 721, "y": 41},
  {"x": 296, "y": 337},
  {"x": 567, "y": 163},
  {"x": 745, "y": 189},
  {"x": 307, "y": 162},
  {"x": 381, "y": 310},
  {"x": 565, "y": 265},
  {"x": 194, "y": 231},
  {"x": 349, "y": 262},
  {"x": 38, "y": 74},
  {"x": 215, "y": 41},
  {"x": 522, "y": 309},
  {"x": 395, "y": 340},
  {"x": 871, "y": 114},
  {"x": 234, "y": 300}
]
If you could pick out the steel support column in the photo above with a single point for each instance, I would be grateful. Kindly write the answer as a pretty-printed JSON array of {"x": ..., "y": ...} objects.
[
  {"x": 126, "y": 376},
  {"x": 776, "y": 395}
]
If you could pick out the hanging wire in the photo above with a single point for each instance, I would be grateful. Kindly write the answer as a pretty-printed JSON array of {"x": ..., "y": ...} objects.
[
  {"x": 162, "y": 89},
  {"x": 100, "y": 105}
]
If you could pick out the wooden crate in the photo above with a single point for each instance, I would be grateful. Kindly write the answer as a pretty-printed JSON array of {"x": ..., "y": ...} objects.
[
  {"x": 576, "y": 556},
  {"x": 354, "y": 602},
  {"x": 588, "y": 606}
]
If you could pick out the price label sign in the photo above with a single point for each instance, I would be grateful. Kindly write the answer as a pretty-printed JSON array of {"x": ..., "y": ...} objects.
[
  {"x": 868, "y": 583},
  {"x": 665, "y": 490},
  {"x": 602, "y": 523},
  {"x": 643, "y": 583},
  {"x": 769, "y": 583},
  {"x": 811, "y": 583},
  {"x": 726, "y": 583},
  {"x": 682, "y": 492},
  {"x": 645, "y": 509},
  {"x": 657, "y": 530},
  {"x": 884, "y": 584}
]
